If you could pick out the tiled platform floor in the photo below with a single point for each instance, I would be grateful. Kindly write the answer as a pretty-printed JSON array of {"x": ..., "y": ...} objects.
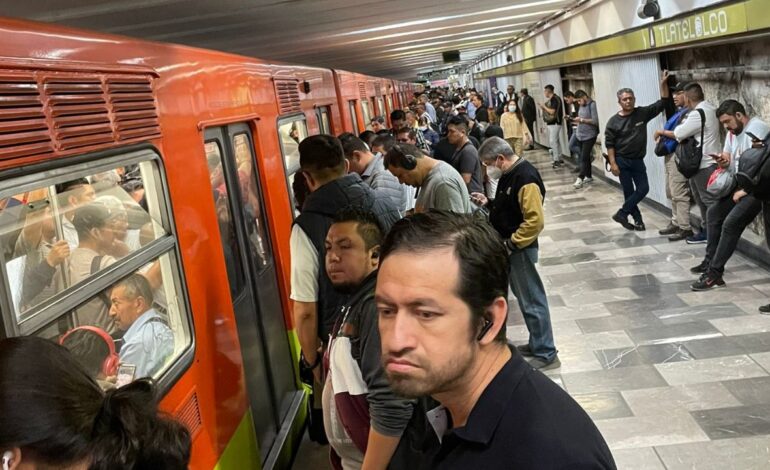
[{"x": 674, "y": 379}]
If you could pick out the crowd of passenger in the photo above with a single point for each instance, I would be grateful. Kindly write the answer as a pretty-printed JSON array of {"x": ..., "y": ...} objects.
[{"x": 408, "y": 239}]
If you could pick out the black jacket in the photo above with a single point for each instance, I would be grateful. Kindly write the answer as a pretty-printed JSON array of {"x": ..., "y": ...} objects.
[
  {"x": 628, "y": 134},
  {"x": 528, "y": 108},
  {"x": 316, "y": 218}
]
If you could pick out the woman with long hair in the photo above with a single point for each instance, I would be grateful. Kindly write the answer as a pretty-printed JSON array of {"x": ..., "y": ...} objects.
[
  {"x": 515, "y": 130},
  {"x": 54, "y": 415}
]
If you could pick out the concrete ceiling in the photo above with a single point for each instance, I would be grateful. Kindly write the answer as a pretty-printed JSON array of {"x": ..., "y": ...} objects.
[{"x": 396, "y": 38}]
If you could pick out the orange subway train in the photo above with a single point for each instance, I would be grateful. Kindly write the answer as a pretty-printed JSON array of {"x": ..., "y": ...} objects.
[{"x": 189, "y": 155}]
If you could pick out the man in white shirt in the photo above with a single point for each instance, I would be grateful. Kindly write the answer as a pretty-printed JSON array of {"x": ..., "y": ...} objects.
[
  {"x": 691, "y": 127},
  {"x": 729, "y": 216}
]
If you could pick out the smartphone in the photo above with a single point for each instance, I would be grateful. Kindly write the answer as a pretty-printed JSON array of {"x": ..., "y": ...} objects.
[{"x": 126, "y": 374}]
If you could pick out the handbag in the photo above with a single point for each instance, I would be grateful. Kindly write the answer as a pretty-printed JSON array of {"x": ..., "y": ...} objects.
[{"x": 721, "y": 183}]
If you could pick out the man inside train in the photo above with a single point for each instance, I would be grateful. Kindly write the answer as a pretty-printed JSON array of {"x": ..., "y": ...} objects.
[
  {"x": 625, "y": 136},
  {"x": 363, "y": 418},
  {"x": 440, "y": 185},
  {"x": 371, "y": 169},
  {"x": 441, "y": 300},
  {"x": 73, "y": 194},
  {"x": 316, "y": 303},
  {"x": 148, "y": 341}
]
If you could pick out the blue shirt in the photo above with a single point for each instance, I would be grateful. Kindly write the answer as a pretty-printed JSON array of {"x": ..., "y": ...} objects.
[
  {"x": 148, "y": 344},
  {"x": 431, "y": 111},
  {"x": 470, "y": 108}
]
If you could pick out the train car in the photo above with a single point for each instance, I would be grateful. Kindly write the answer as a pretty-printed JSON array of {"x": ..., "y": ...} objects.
[{"x": 168, "y": 166}]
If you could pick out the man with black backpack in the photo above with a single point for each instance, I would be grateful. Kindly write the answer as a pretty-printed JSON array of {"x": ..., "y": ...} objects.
[{"x": 698, "y": 137}]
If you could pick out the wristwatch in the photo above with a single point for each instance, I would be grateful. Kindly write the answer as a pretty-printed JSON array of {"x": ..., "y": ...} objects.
[{"x": 308, "y": 366}]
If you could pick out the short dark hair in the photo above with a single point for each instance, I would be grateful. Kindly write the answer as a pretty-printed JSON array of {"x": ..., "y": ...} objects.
[
  {"x": 379, "y": 119},
  {"x": 694, "y": 91},
  {"x": 396, "y": 156},
  {"x": 88, "y": 348},
  {"x": 548, "y": 87},
  {"x": 386, "y": 141},
  {"x": 493, "y": 130},
  {"x": 397, "y": 115},
  {"x": 351, "y": 143},
  {"x": 407, "y": 130},
  {"x": 367, "y": 136},
  {"x": 322, "y": 156},
  {"x": 581, "y": 94},
  {"x": 480, "y": 254},
  {"x": 568, "y": 94},
  {"x": 460, "y": 122},
  {"x": 524, "y": 91},
  {"x": 368, "y": 227},
  {"x": 730, "y": 107},
  {"x": 90, "y": 216}
]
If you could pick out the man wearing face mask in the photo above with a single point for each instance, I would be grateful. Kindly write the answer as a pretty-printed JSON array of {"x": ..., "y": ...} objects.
[{"x": 517, "y": 214}]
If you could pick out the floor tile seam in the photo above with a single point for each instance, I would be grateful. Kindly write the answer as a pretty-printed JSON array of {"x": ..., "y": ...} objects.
[{"x": 660, "y": 459}]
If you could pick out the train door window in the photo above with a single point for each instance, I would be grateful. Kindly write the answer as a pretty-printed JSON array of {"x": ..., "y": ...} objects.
[
  {"x": 230, "y": 247},
  {"x": 291, "y": 131},
  {"x": 354, "y": 116},
  {"x": 367, "y": 113},
  {"x": 390, "y": 104},
  {"x": 323, "y": 120},
  {"x": 253, "y": 216},
  {"x": 91, "y": 261},
  {"x": 381, "y": 107}
]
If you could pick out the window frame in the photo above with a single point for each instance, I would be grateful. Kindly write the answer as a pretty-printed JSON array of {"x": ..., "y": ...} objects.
[
  {"x": 354, "y": 115},
  {"x": 55, "y": 171},
  {"x": 282, "y": 120},
  {"x": 322, "y": 111}
]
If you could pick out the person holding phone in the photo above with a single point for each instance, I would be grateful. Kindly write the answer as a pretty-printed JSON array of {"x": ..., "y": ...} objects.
[{"x": 729, "y": 216}]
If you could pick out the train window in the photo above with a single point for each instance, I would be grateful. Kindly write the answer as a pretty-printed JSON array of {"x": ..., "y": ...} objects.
[
  {"x": 354, "y": 116},
  {"x": 58, "y": 236},
  {"x": 149, "y": 326},
  {"x": 381, "y": 107},
  {"x": 72, "y": 236},
  {"x": 230, "y": 248},
  {"x": 253, "y": 215},
  {"x": 390, "y": 104},
  {"x": 367, "y": 113},
  {"x": 323, "y": 120},
  {"x": 291, "y": 131}
]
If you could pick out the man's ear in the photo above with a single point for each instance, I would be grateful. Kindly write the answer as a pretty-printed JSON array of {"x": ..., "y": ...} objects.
[
  {"x": 497, "y": 313},
  {"x": 311, "y": 184},
  {"x": 374, "y": 254}
]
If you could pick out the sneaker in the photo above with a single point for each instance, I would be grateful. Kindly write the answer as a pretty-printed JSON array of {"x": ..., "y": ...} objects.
[
  {"x": 618, "y": 217},
  {"x": 680, "y": 235},
  {"x": 707, "y": 281},
  {"x": 639, "y": 226},
  {"x": 670, "y": 230},
  {"x": 702, "y": 268},
  {"x": 542, "y": 364},
  {"x": 764, "y": 309},
  {"x": 578, "y": 183},
  {"x": 697, "y": 239},
  {"x": 588, "y": 180},
  {"x": 525, "y": 350}
]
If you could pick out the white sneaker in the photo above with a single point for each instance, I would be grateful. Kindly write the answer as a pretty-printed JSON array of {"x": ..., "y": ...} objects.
[
  {"x": 588, "y": 180},
  {"x": 578, "y": 183}
]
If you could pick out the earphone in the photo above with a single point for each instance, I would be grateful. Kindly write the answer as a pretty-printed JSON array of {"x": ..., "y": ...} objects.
[
  {"x": 406, "y": 161},
  {"x": 112, "y": 361},
  {"x": 7, "y": 456},
  {"x": 485, "y": 329}
]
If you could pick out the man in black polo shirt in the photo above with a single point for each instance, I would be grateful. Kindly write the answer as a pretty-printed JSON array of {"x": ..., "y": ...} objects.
[
  {"x": 626, "y": 139},
  {"x": 441, "y": 297}
]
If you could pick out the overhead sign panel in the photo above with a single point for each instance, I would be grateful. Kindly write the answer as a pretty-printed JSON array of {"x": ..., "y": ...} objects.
[{"x": 714, "y": 23}]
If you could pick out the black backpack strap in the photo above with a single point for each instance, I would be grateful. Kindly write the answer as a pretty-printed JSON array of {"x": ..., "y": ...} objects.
[
  {"x": 96, "y": 265},
  {"x": 702, "y": 126}
]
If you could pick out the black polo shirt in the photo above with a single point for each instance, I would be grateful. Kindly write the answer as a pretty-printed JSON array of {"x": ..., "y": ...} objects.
[{"x": 523, "y": 420}]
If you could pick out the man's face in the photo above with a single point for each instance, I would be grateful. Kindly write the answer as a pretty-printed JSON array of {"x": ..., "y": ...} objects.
[
  {"x": 411, "y": 119},
  {"x": 404, "y": 176},
  {"x": 397, "y": 123},
  {"x": 403, "y": 138},
  {"x": 679, "y": 99},
  {"x": 124, "y": 310},
  {"x": 376, "y": 126},
  {"x": 81, "y": 195},
  {"x": 548, "y": 93},
  {"x": 476, "y": 101},
  {"x": 733, "y": 124},
  {"x": 105, "y": 236},
  {"x": 348, "y": 261},
  {"x": 425, "y": 328},
  {"x": 582, "y": 101},
  {"x": 627, "y": 102},
  {"x": 510, "y": 90},
  {"x": 454, "y": 134},
  {"x": 569, "y": 99}
]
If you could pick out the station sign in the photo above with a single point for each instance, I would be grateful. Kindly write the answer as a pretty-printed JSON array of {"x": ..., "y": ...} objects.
[{"x": 717, "y": 22}]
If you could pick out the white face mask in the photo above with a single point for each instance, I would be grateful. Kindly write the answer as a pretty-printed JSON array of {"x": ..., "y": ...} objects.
[
  {"x": 511, "y": 109},
  {"x": 494, "y": 172}
]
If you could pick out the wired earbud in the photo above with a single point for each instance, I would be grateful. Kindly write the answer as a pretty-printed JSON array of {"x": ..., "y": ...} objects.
[
  {"x": 407, "y": 161},
  {"x": 7, "y": 456},
  {"x": 485, "y": 329}
]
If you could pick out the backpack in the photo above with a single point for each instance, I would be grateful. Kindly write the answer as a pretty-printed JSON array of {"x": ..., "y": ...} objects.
[
  {"x": 753, "y": 173},
  {"x": 665, "y": 145},
  {"x": 689, "y": 153},
  {"x": 549, "y": 118}
]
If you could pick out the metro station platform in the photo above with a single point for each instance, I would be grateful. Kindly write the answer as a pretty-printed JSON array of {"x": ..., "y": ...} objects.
[{"x": 674, "y": 379}]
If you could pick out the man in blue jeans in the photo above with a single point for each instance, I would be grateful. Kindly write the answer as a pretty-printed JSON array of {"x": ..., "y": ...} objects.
[
  {"x": 625, "y": 136},
  {"x": 517, "y": 214}
]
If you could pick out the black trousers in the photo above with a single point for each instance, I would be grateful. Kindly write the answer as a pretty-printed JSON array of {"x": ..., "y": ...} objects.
[{"x": 586, "y": 147}]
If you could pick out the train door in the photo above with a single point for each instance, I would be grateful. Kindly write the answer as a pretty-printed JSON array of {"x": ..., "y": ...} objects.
[{"x": 251, "y": 271}]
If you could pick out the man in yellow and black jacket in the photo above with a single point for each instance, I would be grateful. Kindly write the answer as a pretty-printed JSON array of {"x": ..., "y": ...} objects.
[{"x": 517, "y": 214}]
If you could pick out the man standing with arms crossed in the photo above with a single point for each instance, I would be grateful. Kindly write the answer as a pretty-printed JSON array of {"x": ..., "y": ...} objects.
[{"x": 625, "y": 136}]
